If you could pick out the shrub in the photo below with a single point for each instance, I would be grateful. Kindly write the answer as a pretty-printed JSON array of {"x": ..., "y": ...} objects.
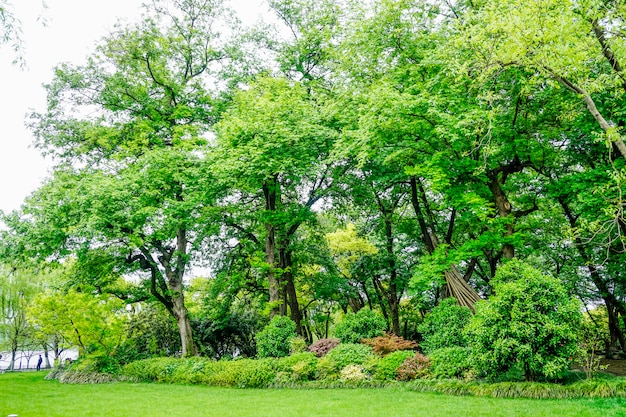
[
  {"x": 364, "y": 324},
  {"x": 298, "y": 367},
  {"x": 413, "y": 367},
  {"x": 353, "y": 373},
  {"x": 451, "y": 362},
  {"x": 530, "y": 322},
  {"x": 389, "y": 343},
  {"x": 387, "y": 367},
  {"x": 297, "y": 345},
  {"x": 443, "y": 326},
  {"x": 275, "y": 339},
  {"x": 256, "y": 373},
  {"x": 323, "y": 346},
  {"x": 349, "y": 354}
]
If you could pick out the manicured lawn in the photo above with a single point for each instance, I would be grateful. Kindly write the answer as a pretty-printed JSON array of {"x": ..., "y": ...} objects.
[{"x": 29, "y": 395}]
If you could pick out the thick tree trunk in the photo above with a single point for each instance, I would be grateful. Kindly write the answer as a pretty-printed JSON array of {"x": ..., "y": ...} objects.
[
  {"x": 504, "y": 211},
  {"x": 290, "y": 288},
  {"x": 270, "y": 194}
]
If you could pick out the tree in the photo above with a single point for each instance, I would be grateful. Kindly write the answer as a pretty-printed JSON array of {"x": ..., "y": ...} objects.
[
  {"x": 96, "y": 325},
  {"x": 18, "y": 288},
  {"x": 133, "y": 123},
  {"x": 274, "y": 143},
  {"x": 530, "y": 322}
]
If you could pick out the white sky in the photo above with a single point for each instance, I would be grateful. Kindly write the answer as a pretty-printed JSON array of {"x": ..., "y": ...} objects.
[{"x": 73, "y": 28}]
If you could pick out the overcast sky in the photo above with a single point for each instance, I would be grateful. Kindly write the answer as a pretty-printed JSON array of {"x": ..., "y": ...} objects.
[{"x": 73, "y": 28}]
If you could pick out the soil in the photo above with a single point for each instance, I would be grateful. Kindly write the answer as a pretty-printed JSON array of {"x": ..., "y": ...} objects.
[{"x": 616, "y": 366}]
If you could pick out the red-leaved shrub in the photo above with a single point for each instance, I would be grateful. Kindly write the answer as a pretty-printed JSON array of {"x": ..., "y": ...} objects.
[
  {"x": 413, "y": 368},
  {"x": 388, "y": 343},
  {"x": 323, "y": 346}
]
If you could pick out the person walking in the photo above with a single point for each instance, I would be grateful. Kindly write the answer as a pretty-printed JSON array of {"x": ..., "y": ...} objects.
[{"x": 39, "y": 363}]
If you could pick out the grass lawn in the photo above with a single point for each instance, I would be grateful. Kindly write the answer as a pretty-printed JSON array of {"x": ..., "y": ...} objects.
[{"x": 29, "y": 395}]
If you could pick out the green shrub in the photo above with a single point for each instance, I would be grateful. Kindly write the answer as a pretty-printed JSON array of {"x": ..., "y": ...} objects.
[
  {"x": 297, "y": 345},
  {"x": 417, "y": 366},
  {"x": 256, "y": 373},
  {"x": 530, "y": 322},
  {"x": 387, "y": 368},
  {"x": 443, "y": 326},
  {"x": 451, "y": 362},
  {"x": 275, "y": 339},
  {"x": 298, "y": 367},
  {"x": 363, "y": 325},
  {"x": 349, "y": 354}
]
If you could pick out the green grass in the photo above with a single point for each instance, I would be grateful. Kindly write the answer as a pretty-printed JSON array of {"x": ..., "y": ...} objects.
[{"x": 29, "y": 395}]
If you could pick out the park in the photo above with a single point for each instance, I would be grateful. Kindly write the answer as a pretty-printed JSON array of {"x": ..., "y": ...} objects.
[{"x": 377, "y": 207}]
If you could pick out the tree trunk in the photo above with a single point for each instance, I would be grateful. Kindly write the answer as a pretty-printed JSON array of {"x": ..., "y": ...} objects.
[
  {"x": 456, "y": 286},
  {"x": 504, "y": 211},
  {"x": 392, "y": 292},
  {"x": 290, "y": 288},
  {"x": 270, "y": 194}
]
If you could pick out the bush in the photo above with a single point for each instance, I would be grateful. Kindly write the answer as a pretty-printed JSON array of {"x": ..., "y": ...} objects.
[
  {"x": 297, "y": 345},
  {"x": 323, "y": 346},
  {"x": 530, "y": 322},
  {"x": 389, "y": 343},
  {"x": 298, "y": 367},
  {"x": 451, "y": 362},
  {"x": 349, "y": 354},
  {"x": 275, "y": 339},
  {"x": 416, "y": 366},
  {"x": 353, "y": 373},
  {"x": 363, "y": 325},
  {"x": 443, "y": 326},
  {"x": 387, "y": 367}
]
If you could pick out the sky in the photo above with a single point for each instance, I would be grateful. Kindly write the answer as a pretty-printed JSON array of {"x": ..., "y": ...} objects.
[{"x": 72, "y": 29}]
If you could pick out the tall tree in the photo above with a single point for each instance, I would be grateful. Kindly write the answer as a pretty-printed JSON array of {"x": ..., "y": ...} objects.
[{"x": 133, "y": 123}]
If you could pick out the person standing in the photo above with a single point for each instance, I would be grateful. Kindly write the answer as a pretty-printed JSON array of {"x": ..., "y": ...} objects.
[{"x": 39, "y": 363}]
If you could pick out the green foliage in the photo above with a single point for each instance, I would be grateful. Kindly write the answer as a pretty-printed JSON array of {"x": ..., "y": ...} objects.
[
  {"x": 297, "y": 345},
  {"x": 364, "y": 324},
  {"x": 387, "y": 367},
  {"x": 444, "y": 326},
  {"x": 275, "y": 339},
  {"x": 349, "y": 354},
  {"x": 298, "y": 367},
  {"x": 452, "y": 362},
  {"x": 531, "y": 321}
]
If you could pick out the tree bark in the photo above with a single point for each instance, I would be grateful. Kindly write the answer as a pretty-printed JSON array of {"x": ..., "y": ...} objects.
[
  {"x": 504, "y": 210},
  {"x": 270, "y": 194}
]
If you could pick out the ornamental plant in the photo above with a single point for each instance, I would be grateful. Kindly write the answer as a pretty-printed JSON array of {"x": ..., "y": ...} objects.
[
  {"x": 443, "y": 326},
  {"x": 388, "y": 343},
  {"x": 530, "y": 322},
  {"x": 275, "y": 339}
]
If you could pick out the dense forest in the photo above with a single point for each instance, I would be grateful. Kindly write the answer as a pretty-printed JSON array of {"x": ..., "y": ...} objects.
[{"x": 343, "y": 156}]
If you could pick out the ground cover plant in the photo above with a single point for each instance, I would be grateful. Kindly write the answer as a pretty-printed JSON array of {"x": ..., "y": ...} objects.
[{"x": 28, "y": 394}]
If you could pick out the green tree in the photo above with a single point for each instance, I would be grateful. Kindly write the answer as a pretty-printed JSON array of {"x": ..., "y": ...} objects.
[
  {"x": 274, "y": 141},
  {"x": 96, "y": 325},
  {"x": 530, "y": 322},
  {"x": 133, "y": 123}
]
